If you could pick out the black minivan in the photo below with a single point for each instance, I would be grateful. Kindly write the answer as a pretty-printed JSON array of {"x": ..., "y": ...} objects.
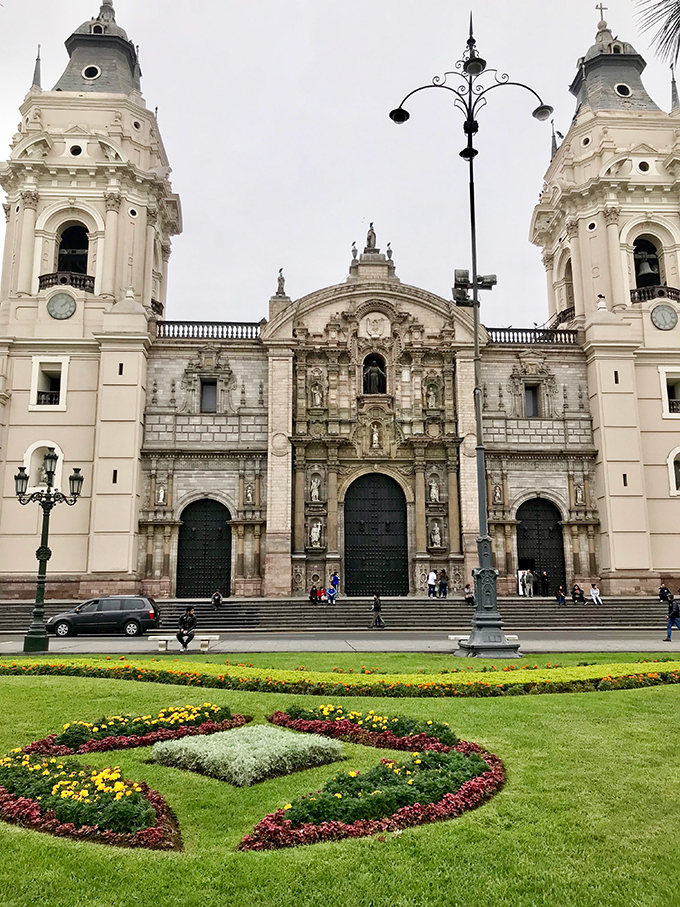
[{"x": 130, "y": 614}]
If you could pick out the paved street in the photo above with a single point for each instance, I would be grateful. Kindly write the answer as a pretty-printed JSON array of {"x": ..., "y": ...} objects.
[{"x": 532, "y": 643}]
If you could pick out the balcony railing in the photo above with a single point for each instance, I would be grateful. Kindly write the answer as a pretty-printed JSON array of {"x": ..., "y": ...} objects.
[
  {"x": 157, "y": 307},
  {"x": 563, "y": 317},
  {"x": 532, "y": 335},
  {"x": 674, "y": 406},
  {"x": 67, "y": 279},
  {"x": 644, "y": 294},
  {"x": 209, "y": 330},
  {"x": 48, "y": 398}
]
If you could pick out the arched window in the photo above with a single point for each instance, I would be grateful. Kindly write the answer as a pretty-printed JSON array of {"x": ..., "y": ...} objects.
[
  {"x": 375, "y": 377},
  {"x": 74, "y": 244},
  {"x": 674, "y": 472},
  {"x": 646, "y": 255}
]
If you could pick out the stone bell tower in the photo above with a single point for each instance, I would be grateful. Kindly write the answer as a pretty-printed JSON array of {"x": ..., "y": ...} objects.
[
  {"x": 608, "y": 222},
  {"x": 90, "y": 213}
]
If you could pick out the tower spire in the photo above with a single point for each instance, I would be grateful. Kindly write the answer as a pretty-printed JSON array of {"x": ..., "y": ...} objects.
[
  {"x": 37, "y": 83},
  {"x": 675, "y": 101},
  {"x": 553, "y": 146}
]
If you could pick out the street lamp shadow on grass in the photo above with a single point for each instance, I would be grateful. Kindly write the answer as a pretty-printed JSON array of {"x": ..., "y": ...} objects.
[
  {"x": 36, "y": 639},
  {"x": 487, "y": 639}
]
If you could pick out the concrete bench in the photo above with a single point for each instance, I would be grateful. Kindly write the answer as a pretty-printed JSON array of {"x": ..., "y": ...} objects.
[
  {"x": 204, "y": 640},
  {"x": 465, "y": 638}
]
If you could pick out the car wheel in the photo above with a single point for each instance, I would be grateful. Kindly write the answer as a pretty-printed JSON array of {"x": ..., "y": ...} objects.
[
  {"x": 132, "y": 628},
  {"x": 63, "y": 629}
]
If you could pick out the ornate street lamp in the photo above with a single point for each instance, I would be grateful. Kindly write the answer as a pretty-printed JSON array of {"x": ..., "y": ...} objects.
[
  {"x": 487, "y": 639},
  {"x": 37, "y": 640}
]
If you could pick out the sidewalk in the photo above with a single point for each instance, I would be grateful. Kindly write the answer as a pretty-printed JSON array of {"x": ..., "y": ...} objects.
[{"x": 535, "y": 642}]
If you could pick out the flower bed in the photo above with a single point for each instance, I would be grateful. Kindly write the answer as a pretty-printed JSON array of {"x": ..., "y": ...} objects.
[
  {"x": 278, "y": 830},
  {"x": 63, "y": 798},
  {"x": 127, "y": 732},
  {"x": 578, "y": 679},
  {"x": 247, "y": 756}
]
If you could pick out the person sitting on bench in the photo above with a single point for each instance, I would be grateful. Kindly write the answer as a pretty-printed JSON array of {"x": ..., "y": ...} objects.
[{"x": 187, "y": 628}]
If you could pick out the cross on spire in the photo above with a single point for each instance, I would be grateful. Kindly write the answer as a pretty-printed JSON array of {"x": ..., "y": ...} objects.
[{"x": 601, "y": 8}]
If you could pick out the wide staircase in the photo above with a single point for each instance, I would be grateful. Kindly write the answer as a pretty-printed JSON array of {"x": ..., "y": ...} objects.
[{"x": 406, "y": 613}]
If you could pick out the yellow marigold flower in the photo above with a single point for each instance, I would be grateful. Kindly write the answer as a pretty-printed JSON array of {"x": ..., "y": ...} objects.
[
  {"x": 417, "y": 761},
  {"x": 410, "y": 781},
  {"x": 353, "y": 774},
  {"x": 339, "y": 796},
  {"x": 288, "y": 806}
]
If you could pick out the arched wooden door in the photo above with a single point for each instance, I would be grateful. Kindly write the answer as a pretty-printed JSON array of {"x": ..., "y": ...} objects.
[
  {"x": 376, "y": 544},
  {"x": 540, "y": 545},
  {"x": 204, "y": 552}
]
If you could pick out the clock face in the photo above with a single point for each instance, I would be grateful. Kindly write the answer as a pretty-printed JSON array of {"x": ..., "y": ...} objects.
[
  {"x": 664, "y": 317},
  {"x": 61, "y": 305}
]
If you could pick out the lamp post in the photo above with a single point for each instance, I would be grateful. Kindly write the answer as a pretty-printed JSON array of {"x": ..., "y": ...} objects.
[
  {"x": 37, "y": 640},
  {"x": 487, "y": 639}
]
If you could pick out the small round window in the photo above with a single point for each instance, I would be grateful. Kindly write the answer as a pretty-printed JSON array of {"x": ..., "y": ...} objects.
[
  {"x": 76, "y": 150},
  {"x": 643, "y": 166},
  {"x": 592, "y": 225},
  {"x": 585, "y": 141},
  {"x": 133, "y": 212},
  {"x": 91, "y": 73},
  {"x": 137, "y": 125},
  {"x": 623, "y": 90}
]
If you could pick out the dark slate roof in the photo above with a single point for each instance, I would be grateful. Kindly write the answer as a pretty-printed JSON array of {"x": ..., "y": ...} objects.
[{"x": 609, "y": 64}]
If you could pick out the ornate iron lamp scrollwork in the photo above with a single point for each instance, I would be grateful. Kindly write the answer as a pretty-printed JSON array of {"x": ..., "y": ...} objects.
[{"x": 36, "y": 639}]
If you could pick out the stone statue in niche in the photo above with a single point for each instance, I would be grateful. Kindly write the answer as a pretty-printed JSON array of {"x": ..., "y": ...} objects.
[
  {"x": 431, "y": 397},
  {"x": 497, "y": 495},
  {"x": 374, "y": 378},
  {"x": 375, "y": 436},
  {"x": 317, "y": 396},
  {"x": 160, "y": 495},
  {"x": 315, "y": 534},
  {"x": 435, "y": 536},
  {"x": 579, "y": 494},
  {"x": 314, "y": 489},
  {"x": 250, "y": 494},
  {"x": 434, "y": 489}
]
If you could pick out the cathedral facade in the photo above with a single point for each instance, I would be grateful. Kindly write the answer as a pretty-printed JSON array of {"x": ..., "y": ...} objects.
[{"x": 338, "y": 433}]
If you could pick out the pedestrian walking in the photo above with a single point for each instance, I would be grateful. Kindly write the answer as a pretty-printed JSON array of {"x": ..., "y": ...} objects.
[
  {"x": 523, "y": 583},
  {"x": 595, "y": 594},
  {"x": 335, "y": 583},
  {"x": 529, "y": 578},
  {"x": 469, "y": 595},
  {"x": 376, "y": 608},
  {"x": 443, "y": 584},
  {"x": 673, "y": 616},
  {"x": 216, "y": 600},
  {"x": 431, "y": 584},
  {"x": 187, "y": 628},
  {"x": 545, "y": 586},
  {"x": 561, "y": 597}
]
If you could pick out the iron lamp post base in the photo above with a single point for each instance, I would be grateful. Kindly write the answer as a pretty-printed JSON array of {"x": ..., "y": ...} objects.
[{"x": 36, "y": 643}]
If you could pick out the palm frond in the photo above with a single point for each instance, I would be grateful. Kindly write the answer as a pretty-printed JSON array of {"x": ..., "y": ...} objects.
[{"x": 664, "y": 16}]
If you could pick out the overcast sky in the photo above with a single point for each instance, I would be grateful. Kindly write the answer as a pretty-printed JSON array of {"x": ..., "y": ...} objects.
[{"x": 274, "y": 114}]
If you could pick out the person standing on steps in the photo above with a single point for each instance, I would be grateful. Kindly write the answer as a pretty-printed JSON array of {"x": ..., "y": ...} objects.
[
  {"x": 431, "y": 584},
  {"x": 376, "y": 608},
  {"x": 530, "y": 583},
  {"x": 561, "y": 597},
  {"x": 544, "y": 583},
  {"x": 673, "y": 616},
  {"x": 443, "y": 584},
  {"x": 595, "y": 594},
  {"x": 216, "y": 600},
  {"x": 187, "y": 628},
  {"x": 335, "y": 583}
]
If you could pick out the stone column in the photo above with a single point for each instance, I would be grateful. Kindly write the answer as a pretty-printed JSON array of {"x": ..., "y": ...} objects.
[
  {"x": 29, "y": 200},
  {"x": 508, "y": 550},
  {"x": 332, "y": 500},
  {"x": 421, "y": 526},
  {"x": 548, "y": 262},
  {"x": 164, "y": 285},
  {"x": 240, "y": 558},
  {"x": 113, "y": 201},
  {"x": 576, "y": 266},
  {"x": 299, "y": 503},
  {"x": 454, "y": 503},
  {"x": 257, "y": 536},
  {"x": 167, "y": 536},
  {"x": 575, "y": 549},
  {"x": 241, "y": 483},
  {"x": 151, "y": 218},
  {"x": 148, "y": 569},
  {"x": 591, "y": 551},
  {"x": 278, "y": 565},
  {"x": 611, "y": 217}
]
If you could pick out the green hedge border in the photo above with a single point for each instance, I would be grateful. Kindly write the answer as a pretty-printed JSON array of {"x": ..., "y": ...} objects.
[{"x": 502, "y": 685}]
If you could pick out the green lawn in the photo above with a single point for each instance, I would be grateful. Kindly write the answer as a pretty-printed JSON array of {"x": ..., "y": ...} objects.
[{"x": 590, "y": 816}]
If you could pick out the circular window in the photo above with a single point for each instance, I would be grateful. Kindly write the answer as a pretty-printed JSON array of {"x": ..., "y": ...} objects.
[
  {"x": 592, "y": 225},
  {"x": 137, "y": 125},
  {"x": 76, "y": 150},
  {"x": 133, "y": 212},
  {"x": 643, "y": 166},
  {"x": 622, "y": 90},
  {"x": 585, "y": 141},
  {"x": 91, "y": 73}
]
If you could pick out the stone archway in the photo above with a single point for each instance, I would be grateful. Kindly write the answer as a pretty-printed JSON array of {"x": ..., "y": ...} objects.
[
  {"x": 204, "y": 550},
  {"x": 376, "y": 541},
  {"x": 540, "y": 544}
]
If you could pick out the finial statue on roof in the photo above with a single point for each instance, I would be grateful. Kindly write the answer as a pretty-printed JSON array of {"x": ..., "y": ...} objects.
[
  {"x": 675, "y": 101},
  {"x": 281, "y": 287},
  {"x": 370, "y": 239},
  {"x": 107, "y": 13},
  {"x": 389, "y": 250},
  {"x": 355, "y": 251}
]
